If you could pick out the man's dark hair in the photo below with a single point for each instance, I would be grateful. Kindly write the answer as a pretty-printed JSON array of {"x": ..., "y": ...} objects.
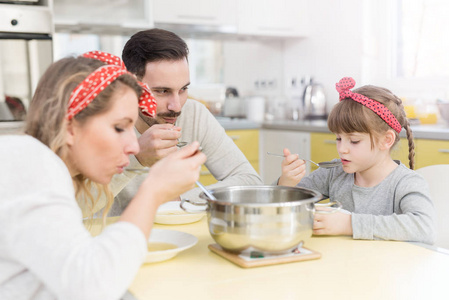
[{"x": 150, "y": 46}]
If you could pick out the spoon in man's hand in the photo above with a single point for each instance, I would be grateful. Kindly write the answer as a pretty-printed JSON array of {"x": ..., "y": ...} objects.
[
  {"x": 146, "y": 169},
  {"x": 324, "y": 164}
]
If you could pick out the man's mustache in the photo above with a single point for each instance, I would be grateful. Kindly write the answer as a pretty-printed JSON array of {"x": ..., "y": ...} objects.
[{"x": 169, "y": 114}]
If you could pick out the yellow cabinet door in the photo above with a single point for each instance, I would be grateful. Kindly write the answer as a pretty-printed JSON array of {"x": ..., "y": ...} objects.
[
  {"x": 431, "y": 152},
  {"x": 323, "y": 147},
  {"x": 247, "y": 140},
  {"x": 400, "y": 152}
]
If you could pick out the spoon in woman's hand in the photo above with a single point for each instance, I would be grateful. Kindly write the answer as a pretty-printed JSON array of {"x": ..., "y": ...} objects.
[
  {"x": 205, "y": 190},
  {"x": 324, "y": 164}
]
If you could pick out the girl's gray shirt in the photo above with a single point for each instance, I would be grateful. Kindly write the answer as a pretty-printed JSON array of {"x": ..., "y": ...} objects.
[{"x": 398, "y": 208}]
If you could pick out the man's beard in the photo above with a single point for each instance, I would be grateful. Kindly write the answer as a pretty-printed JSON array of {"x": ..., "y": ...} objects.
[{"x": 159, "y": 117}]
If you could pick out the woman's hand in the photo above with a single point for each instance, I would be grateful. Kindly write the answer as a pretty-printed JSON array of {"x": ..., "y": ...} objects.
[
  {"x": 293, "y": 169},
  {"x": 337, "y": 223},
  {"x": 167, "y": 179}
]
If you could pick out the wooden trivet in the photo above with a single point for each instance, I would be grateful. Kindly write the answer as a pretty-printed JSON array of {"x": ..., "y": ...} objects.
[{"x": 247, "y": 261}]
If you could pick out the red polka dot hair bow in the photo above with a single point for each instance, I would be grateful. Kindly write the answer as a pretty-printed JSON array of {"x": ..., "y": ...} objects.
[
  {"x": 343, "y": 87},
  {"x": 147, "y": 102}
]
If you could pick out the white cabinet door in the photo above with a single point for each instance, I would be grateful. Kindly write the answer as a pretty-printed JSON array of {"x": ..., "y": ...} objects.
[
  {"x": 196, "y": 12},
  {"x": 273, "y": 17},
  {"x": 83, "y": 13},
  {"x": 275, "y": 141}
]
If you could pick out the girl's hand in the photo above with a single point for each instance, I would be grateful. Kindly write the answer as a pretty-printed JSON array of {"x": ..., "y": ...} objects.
[
  {"x": 337, "y": 223},
  {"x": 176, "y": 173},
  {"x": 293, "y": 169}
]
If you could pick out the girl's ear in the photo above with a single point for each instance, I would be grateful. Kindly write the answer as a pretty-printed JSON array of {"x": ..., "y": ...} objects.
[{"x": 388, "y": 140}]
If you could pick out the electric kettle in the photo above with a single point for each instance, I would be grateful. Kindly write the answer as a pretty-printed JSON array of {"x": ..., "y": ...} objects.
[{"x": 313, "y": 100}]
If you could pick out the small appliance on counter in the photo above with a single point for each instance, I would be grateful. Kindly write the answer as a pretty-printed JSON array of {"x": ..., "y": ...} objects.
[
  {"x": 234, "y": 106},
  {"x": 211, "y": 95},
  {"x": 313, "y": 100}
]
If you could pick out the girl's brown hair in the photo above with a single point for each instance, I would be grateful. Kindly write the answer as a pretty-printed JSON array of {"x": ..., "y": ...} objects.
[
  {"x": 349, "y": 116},
  {"x": 46, "y": 118}
]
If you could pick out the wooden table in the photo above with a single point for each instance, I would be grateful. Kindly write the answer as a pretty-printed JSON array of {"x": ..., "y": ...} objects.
[{"x": 348, "y": 269}]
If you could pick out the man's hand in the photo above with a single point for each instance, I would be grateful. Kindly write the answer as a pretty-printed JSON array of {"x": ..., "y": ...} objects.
[{"x": 157, "y": 142}]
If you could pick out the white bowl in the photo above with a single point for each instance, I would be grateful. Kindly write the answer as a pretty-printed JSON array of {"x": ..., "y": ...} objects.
[
  {"x": 171, "y": 213},
  {"x": 181, "y": 240}
]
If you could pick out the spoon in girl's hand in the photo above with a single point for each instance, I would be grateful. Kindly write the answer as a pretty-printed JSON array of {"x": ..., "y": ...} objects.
[{"x": 324, "y": 164}]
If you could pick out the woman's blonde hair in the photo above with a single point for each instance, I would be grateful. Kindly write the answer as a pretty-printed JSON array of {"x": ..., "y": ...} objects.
[
  {"x": 349, "y": 116},
  {"x": 46, "y": 119}
]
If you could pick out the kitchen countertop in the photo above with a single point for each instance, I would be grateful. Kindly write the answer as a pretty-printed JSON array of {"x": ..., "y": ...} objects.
[
  {"x": 439, "y": 131},
  {"x": 433, "y": 132},
  {"x": 237, "y": 123},
  {"x": 347, "y": 269}
]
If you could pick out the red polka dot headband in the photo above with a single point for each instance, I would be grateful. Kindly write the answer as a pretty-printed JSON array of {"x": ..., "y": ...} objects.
[
  {"x": 147, "y": 103},
  {"x": 91, "y": 86},
  {"x": 105, "y": 57},
  {"x": 347, "y": 83}
]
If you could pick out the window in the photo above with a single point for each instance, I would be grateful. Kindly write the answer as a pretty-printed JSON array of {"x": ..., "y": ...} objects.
[
  {"x": 422, "y": 44},
  {"x": 205, "y": 61},
  {"x": 406, "y": 48}
]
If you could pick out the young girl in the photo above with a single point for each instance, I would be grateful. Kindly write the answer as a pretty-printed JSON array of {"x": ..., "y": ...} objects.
[
  {"x": 386, "y": 200},
  {"x": 80, "y": 129}
]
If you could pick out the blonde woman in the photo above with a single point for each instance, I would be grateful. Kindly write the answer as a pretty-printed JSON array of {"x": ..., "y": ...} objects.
[{"x": 80, "y": 131}]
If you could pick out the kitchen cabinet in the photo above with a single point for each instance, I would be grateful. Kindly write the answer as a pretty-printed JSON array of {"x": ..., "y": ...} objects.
[
  {"x": 102, "y": 15},
  {"x": 269, "y": 18},
  {"x": 247, "y": 140},
  {"x": 400, "y": 152},
  {"x": 427, "y": 152},
  {"x": 322, "y": 148},
  {"x": 275, "y": 141},
  {"x": 431, "y": 152},
  {"x": 286, "y": 18},
  {"x": 196, "y": 12}
]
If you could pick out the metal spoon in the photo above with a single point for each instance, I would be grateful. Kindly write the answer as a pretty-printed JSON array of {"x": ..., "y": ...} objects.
[
  {"x": 205, "y": 190},
  {"x": 181, "y": 144},
  {"x": 324, "y": 164},
  {"x": 146, "y": 169},
  {"x": 137, "y": 170}
]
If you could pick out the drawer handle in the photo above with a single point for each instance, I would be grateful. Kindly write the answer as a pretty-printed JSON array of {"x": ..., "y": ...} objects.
[
  {"x": 262, "y": 28},
  {"x": 330, "y": 142},
  {"x": 191, "y": 17},
  {"x": 204, "y": 173},
  {"x": 235, "y": 137},
  {"x": 443, "y": 150}
]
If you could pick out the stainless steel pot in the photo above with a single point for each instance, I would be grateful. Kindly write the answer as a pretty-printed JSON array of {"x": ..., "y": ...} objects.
[{"x": 270, "y": 219}]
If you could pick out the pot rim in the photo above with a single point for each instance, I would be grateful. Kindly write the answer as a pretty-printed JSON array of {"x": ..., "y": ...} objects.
[{"x": 316, "y": 196}]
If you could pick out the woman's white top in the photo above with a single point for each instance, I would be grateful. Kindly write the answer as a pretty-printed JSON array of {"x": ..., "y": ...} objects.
[{"x": 45, "y": 250}]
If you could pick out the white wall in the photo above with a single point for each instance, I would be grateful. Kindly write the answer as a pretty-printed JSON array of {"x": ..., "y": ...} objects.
[
  {"x": 333, "y": 49},
  {"x": 251, "y": 60}
]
